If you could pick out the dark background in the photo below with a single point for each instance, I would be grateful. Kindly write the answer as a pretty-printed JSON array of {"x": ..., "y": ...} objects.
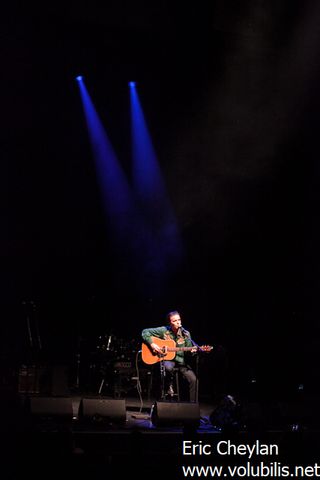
[{"x": 229, "y": 91}]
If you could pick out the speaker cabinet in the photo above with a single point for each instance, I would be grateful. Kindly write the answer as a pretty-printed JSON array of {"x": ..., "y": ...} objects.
[
  {"x": 50, "y": 408},
  {"x": 176, "y": 414},
  {"x": 102, "y": 411}
]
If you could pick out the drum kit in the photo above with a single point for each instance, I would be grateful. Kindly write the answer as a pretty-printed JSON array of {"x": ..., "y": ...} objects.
[
  {"x": 111, "y": 344},
  {"x": 113, "y": 363}
]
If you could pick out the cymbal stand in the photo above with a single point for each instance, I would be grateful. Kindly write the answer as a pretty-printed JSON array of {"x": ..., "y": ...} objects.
[
  {"x": 78, "y": 361},
  {"x": 101, "y": 386},
  {"x": 78, "y": 364}
]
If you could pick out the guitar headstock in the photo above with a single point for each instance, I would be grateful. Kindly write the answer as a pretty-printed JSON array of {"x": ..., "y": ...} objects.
[{"x": 206, "y": 348}]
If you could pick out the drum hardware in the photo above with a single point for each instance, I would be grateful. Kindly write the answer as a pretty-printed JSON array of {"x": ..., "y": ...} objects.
[
  {"x": 123, "y": 365},
  {"x": 109, "y": 343},
  {"x": 78, "y": 363},
  {"x": 116, "y": 358},
  {"x": 34, "y": 342},
  {"x": 106, "y": 343}
]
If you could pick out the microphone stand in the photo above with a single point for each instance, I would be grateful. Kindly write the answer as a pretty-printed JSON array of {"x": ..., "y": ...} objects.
[
  {"x": 197, "y": 368},
  {"x": 78, "y": 363}
]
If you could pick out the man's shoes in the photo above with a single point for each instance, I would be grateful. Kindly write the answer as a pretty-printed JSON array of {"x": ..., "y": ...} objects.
[{"x": 170, "y": 391}]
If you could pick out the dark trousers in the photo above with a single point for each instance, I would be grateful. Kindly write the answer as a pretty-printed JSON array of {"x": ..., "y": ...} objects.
[{"x": 187, "y": 373}]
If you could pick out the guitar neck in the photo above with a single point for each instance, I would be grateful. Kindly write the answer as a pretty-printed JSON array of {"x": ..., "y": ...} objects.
[{"x": 179, "y": 349}]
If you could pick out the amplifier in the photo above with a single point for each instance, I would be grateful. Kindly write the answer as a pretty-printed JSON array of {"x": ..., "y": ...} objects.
[{"x": 29, "y": 378}]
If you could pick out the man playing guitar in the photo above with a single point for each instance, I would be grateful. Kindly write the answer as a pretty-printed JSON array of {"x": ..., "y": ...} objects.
[{"x": 175, "y": 334}]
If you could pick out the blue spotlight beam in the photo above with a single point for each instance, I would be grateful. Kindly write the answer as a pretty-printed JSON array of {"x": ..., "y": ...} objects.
[
  {"x": 150, "y": 189},
  {"x": 135, "y": 259},
  {"x": 115, "y": 190},
  {"x": 146, "y": 171}
]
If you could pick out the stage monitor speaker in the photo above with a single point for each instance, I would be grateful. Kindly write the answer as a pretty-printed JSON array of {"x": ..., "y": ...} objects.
[
  {"x": 102, "y": 411},
  {"x": 175, "y": 414},
  {"x": 50, "y": 408}
]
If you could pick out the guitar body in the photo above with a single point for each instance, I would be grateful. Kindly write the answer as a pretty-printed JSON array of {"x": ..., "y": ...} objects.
[
  {"x": 150, "y": 358},
  {"x": 169, "y": 350}
]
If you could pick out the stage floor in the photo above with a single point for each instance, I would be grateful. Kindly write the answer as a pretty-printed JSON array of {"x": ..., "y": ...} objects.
[{"x": 95, "y": 449}]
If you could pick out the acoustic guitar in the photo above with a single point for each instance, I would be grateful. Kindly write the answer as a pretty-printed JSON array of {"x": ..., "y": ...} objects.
[{"x": 168, "y": 350}]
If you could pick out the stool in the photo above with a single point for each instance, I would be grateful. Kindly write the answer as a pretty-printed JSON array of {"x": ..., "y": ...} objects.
[{"x": 176, "y": 390}]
